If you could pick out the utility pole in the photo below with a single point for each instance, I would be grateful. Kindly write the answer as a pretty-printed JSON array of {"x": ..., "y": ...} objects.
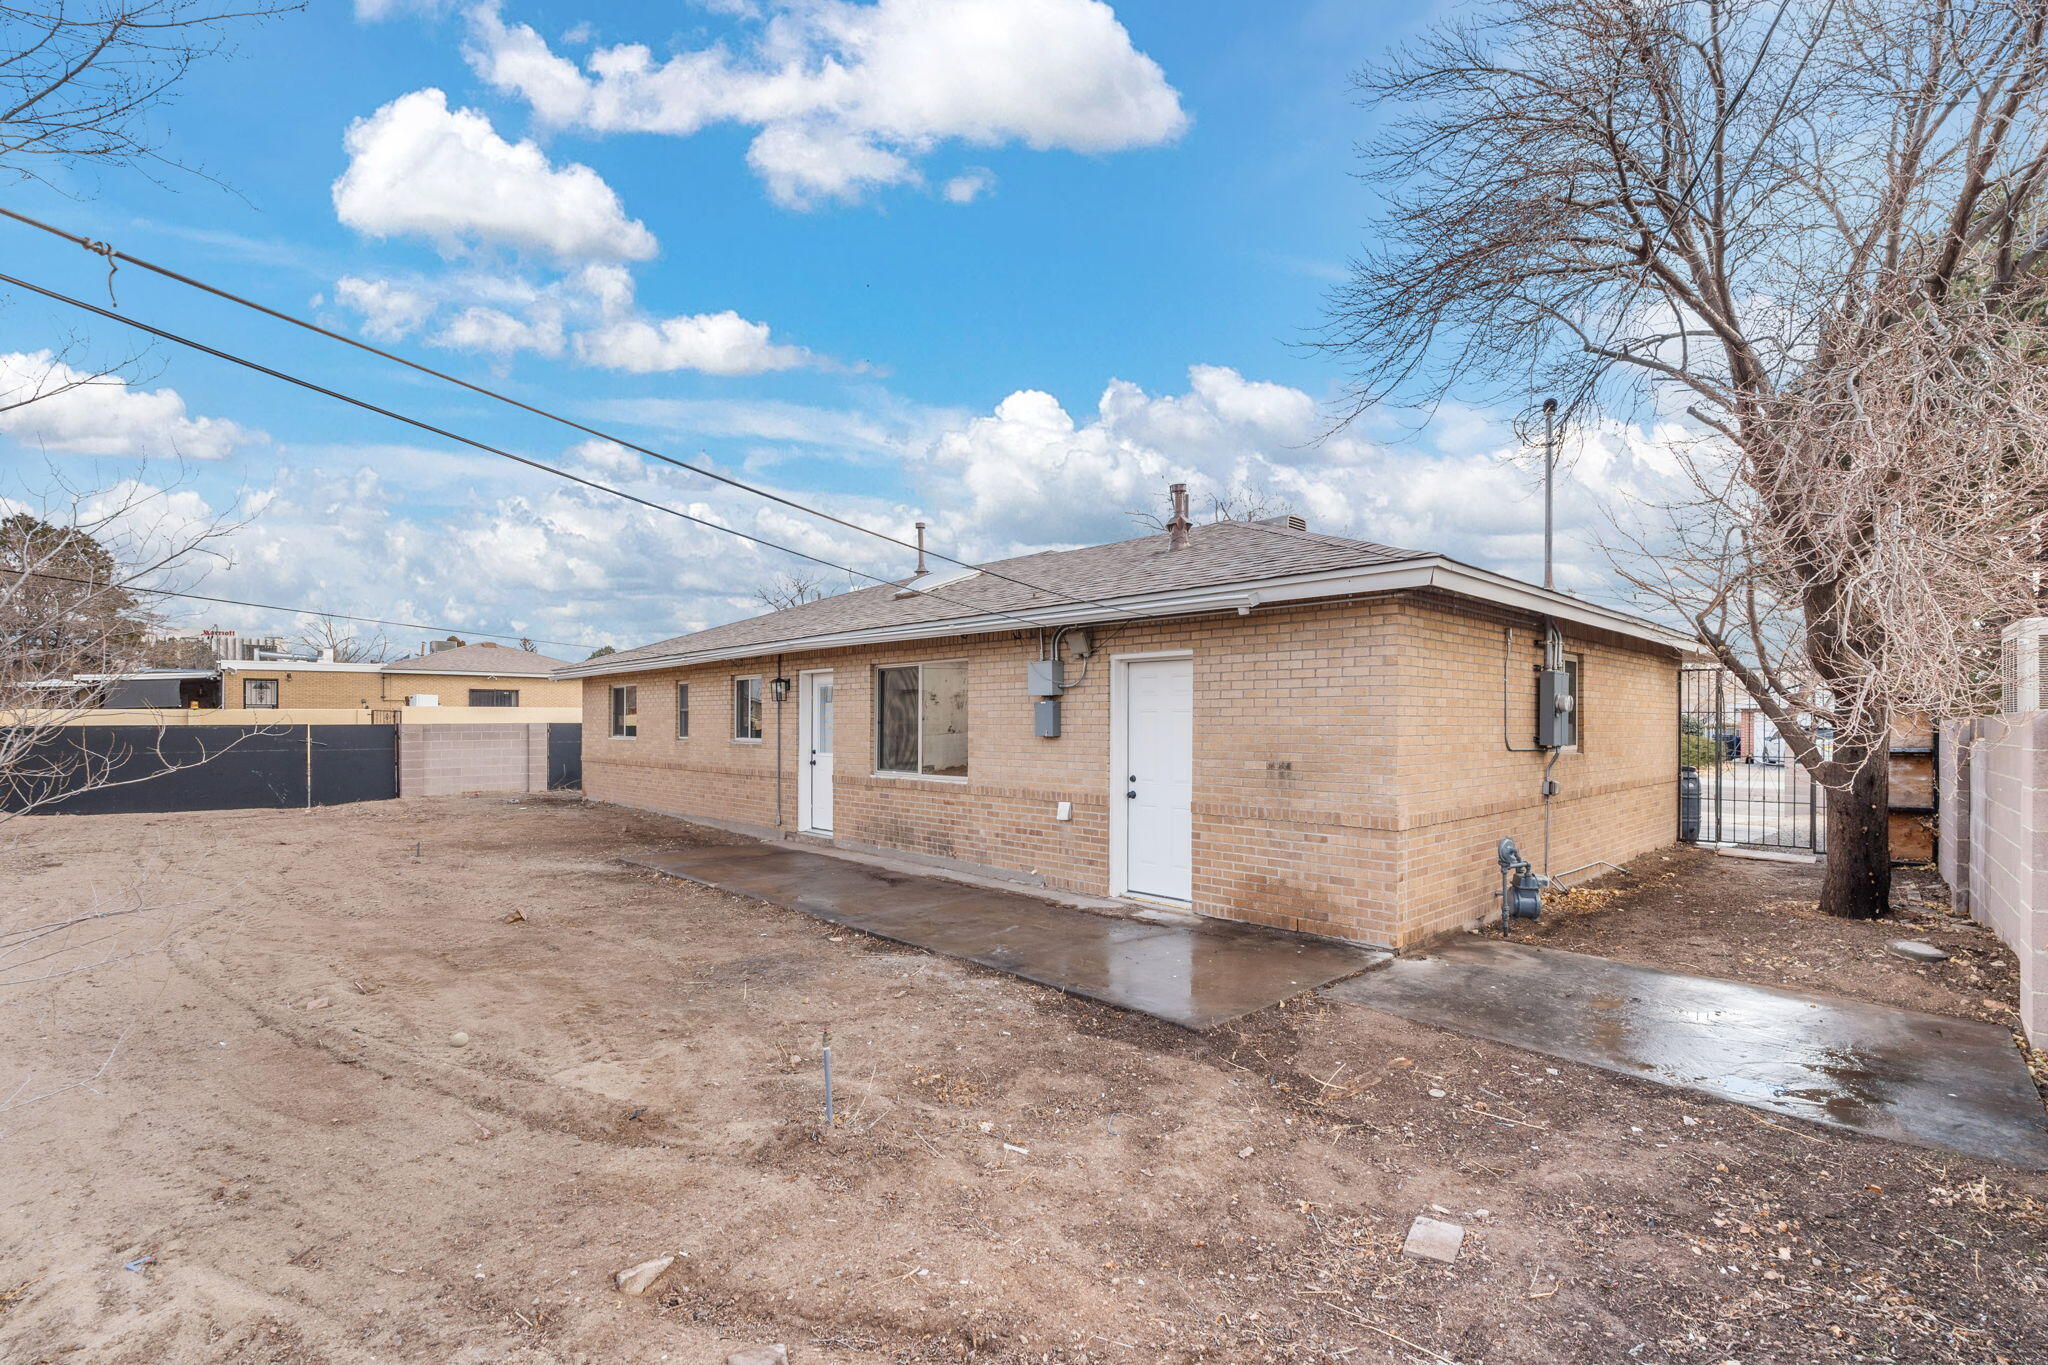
[{"x": 1549, "y": 484}]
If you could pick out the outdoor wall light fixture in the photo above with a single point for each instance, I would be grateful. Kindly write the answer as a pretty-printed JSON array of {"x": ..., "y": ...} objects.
[{"x": 779, "y": 687}]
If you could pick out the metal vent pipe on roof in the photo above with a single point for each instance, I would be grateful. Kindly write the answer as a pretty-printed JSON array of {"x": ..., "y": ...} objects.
[
  {"x": 920, "y": 551},
  {"x": 1177, "y": 528}
]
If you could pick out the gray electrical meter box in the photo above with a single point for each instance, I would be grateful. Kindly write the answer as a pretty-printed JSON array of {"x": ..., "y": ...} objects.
[
  {"x": 1045, "y": 718},
  {"x": 1045, "y": 677},
  {"x": 1557, "y": 722}
]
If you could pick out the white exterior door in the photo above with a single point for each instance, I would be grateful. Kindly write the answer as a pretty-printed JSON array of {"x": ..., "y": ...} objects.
[
  {"x": 814, "y": 795},
  {"x": 1158, "y": 777}
]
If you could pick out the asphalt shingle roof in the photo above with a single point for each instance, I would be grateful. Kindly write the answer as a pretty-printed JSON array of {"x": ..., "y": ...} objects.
[
  {"x": 1217, "y": 554},
  {"x": 484, "y": 658}
]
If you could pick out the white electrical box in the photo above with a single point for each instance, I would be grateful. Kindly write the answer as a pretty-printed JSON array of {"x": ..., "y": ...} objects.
[{"x": 423, "y": 699}]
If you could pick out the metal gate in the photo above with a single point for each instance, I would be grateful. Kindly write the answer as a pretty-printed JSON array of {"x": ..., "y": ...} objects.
[{"x": 1751, "y": 791}]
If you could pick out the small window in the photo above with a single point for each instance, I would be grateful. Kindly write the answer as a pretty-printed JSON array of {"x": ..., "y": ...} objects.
[
  {"x": 494, "y": 696},
  {"x": 682, "y": 710},
  {"x": 625, "y": 711},
  {"x": 259, "y": 694},
  {"x": 746, "y": 708},
  {"x": 921, "y": 719}
]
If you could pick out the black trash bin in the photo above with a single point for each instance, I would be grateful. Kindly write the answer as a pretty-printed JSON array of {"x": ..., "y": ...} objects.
[{"x": 1689, "y": 804}]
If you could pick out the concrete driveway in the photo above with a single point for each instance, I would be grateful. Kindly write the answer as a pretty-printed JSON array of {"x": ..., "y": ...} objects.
[{"x": 1925, "y": 1079}]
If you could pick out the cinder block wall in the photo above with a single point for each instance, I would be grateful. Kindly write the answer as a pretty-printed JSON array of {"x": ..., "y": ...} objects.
[
  {"x": 446, "y": 760},
  {"x": 1350, "y": 777},
  {"x": 1995, "y": 788}
]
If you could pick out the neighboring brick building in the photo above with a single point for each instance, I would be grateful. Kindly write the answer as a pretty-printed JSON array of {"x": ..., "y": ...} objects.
[
  {"x": 1266, "y": 724},
  {"x": 465, "y": 675}
]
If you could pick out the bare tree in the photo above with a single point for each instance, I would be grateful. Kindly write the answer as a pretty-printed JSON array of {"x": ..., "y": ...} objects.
[
  {"x": 332, "y": 639},
  {"x": 72, "y": 614},
  {"x": 1240, "y": 501},
  {"x": 792, "y": 589},
  {"x": 1812, "y": 234},
  {"x": 79, "y": 79}
]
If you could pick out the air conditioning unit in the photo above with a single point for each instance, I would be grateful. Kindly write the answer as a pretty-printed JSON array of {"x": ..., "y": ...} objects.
[
  {"x": 423, "y": 699},
  {"x": 2023, "y": 665}
]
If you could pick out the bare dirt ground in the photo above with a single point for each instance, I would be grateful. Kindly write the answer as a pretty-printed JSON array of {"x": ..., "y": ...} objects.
[{"x": 321, "y": 1175}]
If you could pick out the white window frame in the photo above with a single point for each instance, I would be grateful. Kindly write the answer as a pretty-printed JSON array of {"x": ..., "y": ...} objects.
[
  {"x": 682, "y": 710},
  {"x": 276, "y": 694},
  {"x": 616, "y": 717},
  {"x": 875, "y": 730},
  {"x": 760, "y": 699}
]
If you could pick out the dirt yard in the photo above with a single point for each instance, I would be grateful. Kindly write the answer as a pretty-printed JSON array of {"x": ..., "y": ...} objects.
[{"x": 279, "y": 1129}]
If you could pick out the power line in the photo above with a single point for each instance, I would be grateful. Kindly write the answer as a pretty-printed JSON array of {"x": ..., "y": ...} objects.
[
  {"x": 529, "y": 462},
  {"x": 272, "y": 606},
  {"x": 108, "y": 251}
]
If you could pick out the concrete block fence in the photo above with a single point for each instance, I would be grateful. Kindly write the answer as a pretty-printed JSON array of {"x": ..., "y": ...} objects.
[
  {"x": 447, "y": 760},
  {"x": 1994, "y": 841}
]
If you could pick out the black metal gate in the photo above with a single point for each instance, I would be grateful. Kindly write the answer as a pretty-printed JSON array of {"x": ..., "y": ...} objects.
[
  {"x": 1751, "y": 791},
  {"x": 565, "y": 757}
]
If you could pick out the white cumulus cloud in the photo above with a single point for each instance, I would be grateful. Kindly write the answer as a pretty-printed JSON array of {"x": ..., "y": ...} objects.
[
  {"x": 710, "y": 343},
  {"x": 420, "y": 169},
  {"x": 846, "y": 96},
  {"x": 48, "y": 404}
]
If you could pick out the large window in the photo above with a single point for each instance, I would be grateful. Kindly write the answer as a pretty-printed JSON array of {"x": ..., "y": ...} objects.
[
  {"x": 494, "y": 696},
  {"x": 626, "y": 711},
  {"x": 746, "y": 708},
  {"x": 260, "y": 693},
  {"x": 921, "y": 719},
  {"x": 682, "y": 710}
]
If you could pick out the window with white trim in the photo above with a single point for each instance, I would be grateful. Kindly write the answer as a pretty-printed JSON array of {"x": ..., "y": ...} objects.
[
  {"x": 625, "y": 711},
  {"x": 746, "y": 709},
  {"x": 921, "y": 719},
  {"x": 259, "y": 694},
  {"x": 494, "y": 696}
]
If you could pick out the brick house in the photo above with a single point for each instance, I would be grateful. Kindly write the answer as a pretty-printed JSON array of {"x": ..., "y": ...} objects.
[
  {"x": 1257, "y": 722},
  {"x": 466, "y": 675}
]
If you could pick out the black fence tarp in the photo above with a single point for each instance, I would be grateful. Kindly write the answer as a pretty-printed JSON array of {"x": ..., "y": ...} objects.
[
  {"x": 117, "y": 769},
  {"x": 565, "y": 757}
]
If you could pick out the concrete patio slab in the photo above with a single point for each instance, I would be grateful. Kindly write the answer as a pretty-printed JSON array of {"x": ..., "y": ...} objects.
[
  {"x": 1923, "y": 1079},
  {"x": 1197, "y": 976}
]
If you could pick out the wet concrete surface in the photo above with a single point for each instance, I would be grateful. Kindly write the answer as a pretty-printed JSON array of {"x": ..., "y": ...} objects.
[
  {"x": 1197, "y": 976},
  {"x": 1923, "y": 1079}
]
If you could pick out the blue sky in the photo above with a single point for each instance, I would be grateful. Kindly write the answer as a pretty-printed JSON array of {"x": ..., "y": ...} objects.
[{"x": 1006, "y": 265}]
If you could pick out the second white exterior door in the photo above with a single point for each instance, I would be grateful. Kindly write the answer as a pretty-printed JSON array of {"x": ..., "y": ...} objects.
[
  {"x": 1158, "y": 778},
  {"x": 815, "y": 732}
]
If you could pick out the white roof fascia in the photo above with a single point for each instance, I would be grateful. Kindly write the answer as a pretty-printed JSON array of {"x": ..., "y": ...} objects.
[
  {"x": 1432, "y": 572},
  {"x": 322, "y": 666},
  {"x": 295, "y": 666}
]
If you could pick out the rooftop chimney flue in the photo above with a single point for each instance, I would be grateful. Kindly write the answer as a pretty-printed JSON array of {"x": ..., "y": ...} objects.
[
  {"x": 1177, "y": 529},
  {"x": 920, "y": 551}
]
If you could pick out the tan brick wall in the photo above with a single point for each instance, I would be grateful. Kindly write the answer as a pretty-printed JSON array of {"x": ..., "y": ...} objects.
[
  {"x": 1345, "y": 756},
  {"x": 338, "y": 687},
  {"x": 309, "y": 687},
  {"x": 1465, "y": 789},
  {"x": 454, "y": 690}
]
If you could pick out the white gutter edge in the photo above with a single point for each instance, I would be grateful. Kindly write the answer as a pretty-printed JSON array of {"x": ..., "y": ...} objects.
[{"x": 1433, "y": 572}]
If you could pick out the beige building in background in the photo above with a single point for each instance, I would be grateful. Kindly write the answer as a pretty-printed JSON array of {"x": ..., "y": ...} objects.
[
  {"x": 466, "y": 675},
  {"x": 1261, "y": 724}
]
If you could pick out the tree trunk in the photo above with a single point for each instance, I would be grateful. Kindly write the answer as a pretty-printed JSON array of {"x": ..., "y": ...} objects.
[{"x": 1858, "y": 880}]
